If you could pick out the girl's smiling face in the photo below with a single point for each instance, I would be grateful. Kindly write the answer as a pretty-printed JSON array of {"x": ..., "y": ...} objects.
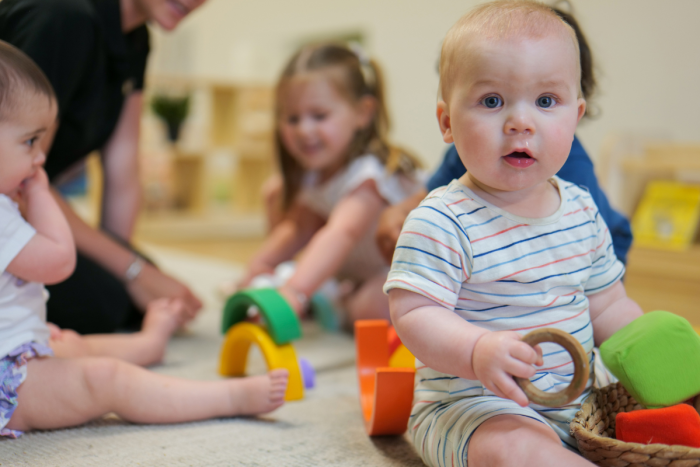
[
  {"x": 22, "y": 134},
  {"x": 317, "y": 124}
]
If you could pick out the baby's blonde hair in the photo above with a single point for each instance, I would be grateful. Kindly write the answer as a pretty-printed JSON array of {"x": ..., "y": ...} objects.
[{"x": 498, "y": 20}]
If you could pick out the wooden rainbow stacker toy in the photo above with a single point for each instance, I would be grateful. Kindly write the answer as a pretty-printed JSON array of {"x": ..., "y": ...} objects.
[{"x": 274, "y": 340}]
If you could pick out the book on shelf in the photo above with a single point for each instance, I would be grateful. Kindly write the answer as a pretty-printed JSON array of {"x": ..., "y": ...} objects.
[{"x": 667, "y": 215}]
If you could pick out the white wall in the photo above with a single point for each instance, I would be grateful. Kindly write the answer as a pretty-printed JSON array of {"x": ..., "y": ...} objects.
[{"x": 647, "y": 54}]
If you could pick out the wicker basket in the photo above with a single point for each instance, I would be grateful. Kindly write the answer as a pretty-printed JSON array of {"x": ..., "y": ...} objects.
[{"x": 594, "y": 429}]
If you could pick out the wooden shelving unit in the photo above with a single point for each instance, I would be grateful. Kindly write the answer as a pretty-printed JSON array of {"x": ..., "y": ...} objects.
[
  {"x": 657, "y": 279},
  {"x": 211, "y": 177}
]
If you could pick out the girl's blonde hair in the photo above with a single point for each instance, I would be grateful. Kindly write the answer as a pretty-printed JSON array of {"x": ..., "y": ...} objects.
[{"x": 355, "y": 77}]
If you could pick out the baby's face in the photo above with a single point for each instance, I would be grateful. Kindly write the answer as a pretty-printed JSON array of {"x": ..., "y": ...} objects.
[
  {"x": 512, "y": 110},
  {"x": 22, "y": 134}
]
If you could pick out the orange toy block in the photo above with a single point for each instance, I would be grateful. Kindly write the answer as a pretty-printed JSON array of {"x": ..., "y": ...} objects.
[
  {"x": 393, "y": 340},
  {"x": 386, "y": 394}
]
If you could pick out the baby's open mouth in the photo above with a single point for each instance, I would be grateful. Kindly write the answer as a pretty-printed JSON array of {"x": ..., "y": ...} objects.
[{"x": 519, "y": 159}]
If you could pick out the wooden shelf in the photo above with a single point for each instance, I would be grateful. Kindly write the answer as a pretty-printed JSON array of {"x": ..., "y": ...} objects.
[
  {"x": 656, "y": 279},
  {"x": 665, "y": 280},
  {"x": 230, "y": 148}
]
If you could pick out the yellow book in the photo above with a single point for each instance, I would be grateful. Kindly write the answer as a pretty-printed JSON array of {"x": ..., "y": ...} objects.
[{"x": 667, "y": 216}]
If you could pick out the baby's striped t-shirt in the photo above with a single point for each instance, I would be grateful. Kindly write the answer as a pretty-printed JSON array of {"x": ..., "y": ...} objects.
[{"x": 505, "y": 272}]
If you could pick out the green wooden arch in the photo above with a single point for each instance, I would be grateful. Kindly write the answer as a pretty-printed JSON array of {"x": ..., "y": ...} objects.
[{"x": 282, "y": 323}]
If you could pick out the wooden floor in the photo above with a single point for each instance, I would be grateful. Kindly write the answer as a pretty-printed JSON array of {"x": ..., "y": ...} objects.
[
  {"x": 239, "y": 250},
  {"x": 657, "y": 280}
]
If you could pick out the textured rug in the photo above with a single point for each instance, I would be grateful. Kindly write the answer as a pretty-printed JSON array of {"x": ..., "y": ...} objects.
[{"x": 323, "y": 429}]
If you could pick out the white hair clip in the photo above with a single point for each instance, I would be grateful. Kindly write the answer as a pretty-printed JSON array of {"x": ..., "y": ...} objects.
[{"x": 365, "y": 63}]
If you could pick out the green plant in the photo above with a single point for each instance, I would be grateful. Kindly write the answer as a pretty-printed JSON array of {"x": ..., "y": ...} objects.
[{"x": 173, "y": 110}]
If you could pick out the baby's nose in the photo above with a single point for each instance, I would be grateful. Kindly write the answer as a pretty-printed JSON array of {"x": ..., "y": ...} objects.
[{"x": 519, "y": 122}]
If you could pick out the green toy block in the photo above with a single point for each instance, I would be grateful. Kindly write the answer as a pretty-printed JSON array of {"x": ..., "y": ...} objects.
[{"x": 656, "y": 358}]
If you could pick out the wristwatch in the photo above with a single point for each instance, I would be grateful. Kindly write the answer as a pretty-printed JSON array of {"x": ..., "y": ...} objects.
[{"x": 134, "y": 269}]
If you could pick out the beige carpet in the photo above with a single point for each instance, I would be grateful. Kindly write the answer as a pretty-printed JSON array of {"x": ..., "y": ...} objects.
[{"x": 323, "y": 429}]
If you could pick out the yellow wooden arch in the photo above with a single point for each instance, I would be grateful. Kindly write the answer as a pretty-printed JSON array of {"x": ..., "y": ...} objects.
[{"x": 234, "y": 355}]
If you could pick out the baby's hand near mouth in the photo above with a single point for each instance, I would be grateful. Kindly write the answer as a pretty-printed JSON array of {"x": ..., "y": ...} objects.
[{"x": 38, "y": 181}]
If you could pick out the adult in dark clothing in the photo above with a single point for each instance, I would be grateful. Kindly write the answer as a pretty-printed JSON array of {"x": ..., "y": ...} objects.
[{"x": 94, "y": 54}]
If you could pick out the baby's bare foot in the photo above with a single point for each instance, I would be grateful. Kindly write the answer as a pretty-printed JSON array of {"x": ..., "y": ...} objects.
[
  {"x": 256, "y": 395},
  {"x": 163, "y": 317}
]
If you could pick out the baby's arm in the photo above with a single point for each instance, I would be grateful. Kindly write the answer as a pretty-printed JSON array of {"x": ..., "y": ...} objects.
[
  {"x": 49, "y": 257},
  {"x": 610, "y": 311},
  {"x": 285, "y": 240},
  {"x": 328, "y": 249},
  {"x": 447, "y": 343}
]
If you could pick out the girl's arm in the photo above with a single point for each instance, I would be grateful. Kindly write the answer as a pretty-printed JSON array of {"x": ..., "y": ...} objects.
[
  {"x": 49, "y": 257},
  {"x": 285, "y": 240},
  {"x": 122, "y": 189},
  {"x": 442, "y": 340},
  {"x": 391, "y": 222},
  {"x": 328, "y": 249},
  {"x": 611, "y": 310}
]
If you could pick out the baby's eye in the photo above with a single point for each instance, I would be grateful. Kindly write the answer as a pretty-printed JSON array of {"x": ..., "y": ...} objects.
[
  {"x": 30, "y": 142},
  {"x": 492, "y": 102},
  {"x": 320, "y": 116},
  {"x": 545, "y": 102},
  {"x": 292, "y": 120}
]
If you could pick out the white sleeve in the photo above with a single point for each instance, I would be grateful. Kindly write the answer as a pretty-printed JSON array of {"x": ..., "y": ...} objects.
[
  {"x": 15, "y": 232},
  {"x": 394, "y": 188},
  {"x": 433, "y": 255},
  {"x": 606, "y": 269}
]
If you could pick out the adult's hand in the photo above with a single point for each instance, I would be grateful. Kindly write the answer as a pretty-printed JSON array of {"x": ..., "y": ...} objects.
[
  {"x": 152, "y": 284},
  {"x": 391, "y": 222}
]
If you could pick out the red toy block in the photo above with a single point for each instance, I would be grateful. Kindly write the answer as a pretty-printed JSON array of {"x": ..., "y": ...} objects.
[{"x": 678, "y": 424}]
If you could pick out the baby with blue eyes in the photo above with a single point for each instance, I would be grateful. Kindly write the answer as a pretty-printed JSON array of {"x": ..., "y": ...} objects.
[{"x": 506, "y": 249}]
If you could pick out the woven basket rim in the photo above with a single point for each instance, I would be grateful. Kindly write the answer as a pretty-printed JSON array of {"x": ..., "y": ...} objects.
[{"x": 578, "y": 429}]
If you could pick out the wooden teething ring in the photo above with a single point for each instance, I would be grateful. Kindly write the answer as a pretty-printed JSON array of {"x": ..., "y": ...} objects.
[{"x": 581, "y": 368}]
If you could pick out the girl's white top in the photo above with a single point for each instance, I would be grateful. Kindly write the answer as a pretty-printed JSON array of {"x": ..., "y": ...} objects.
[
  {"x": 365, "y": 259},
  {"x": 22, "y": 304}
]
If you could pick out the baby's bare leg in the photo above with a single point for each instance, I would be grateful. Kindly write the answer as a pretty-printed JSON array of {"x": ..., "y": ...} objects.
[
  {"x": 508, "y": 440},
  {"x": 63, "y": 392},
  {"x": 146, "y": 347},
  {"x": 368, "y": 301}
]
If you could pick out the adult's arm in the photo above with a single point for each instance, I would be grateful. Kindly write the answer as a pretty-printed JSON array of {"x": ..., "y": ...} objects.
[
  {"x": 149, "y": 285},
  {"x": 121, "y": 197}
]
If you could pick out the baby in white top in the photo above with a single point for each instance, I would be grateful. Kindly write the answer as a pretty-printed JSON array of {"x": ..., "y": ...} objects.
[{"x": 38, "y": 391}]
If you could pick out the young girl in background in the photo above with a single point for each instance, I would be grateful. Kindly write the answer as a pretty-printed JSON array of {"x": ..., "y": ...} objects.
[{"x": 338, "y": 174}]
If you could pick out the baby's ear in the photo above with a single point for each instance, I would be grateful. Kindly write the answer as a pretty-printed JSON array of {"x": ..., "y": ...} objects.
[
  {"x": 581, "y": 108},
  {"x": 443, "y": 117}
]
